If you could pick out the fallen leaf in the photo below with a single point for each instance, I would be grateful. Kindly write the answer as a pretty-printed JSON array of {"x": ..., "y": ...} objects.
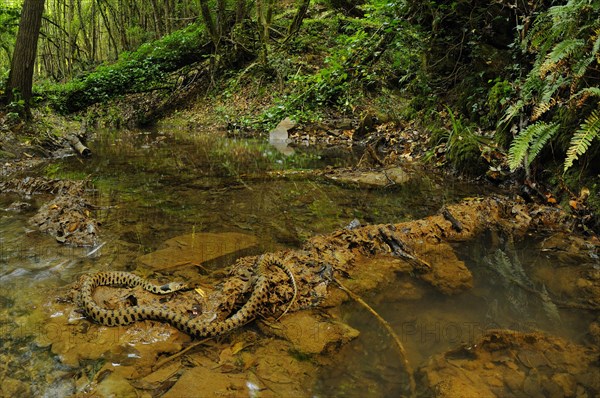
[
  {"x": 550, "y": 199},
  {"x": 237, "y": 347}
]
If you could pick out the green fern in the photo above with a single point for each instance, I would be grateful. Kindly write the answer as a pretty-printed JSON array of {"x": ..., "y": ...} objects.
[
  {"x": 463, "y": 144},
  {"x": 562, "y": 50},
  {"x": 588, "y": 91},
  {"x": 582, "y": 139},
  {"x": 529, "y": 143},
  {"x": 583, "y": 95},
  {"x": 560, "y": 86}
]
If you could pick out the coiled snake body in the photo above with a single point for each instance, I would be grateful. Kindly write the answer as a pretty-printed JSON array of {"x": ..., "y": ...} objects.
[{"x": 181, "y": 321}]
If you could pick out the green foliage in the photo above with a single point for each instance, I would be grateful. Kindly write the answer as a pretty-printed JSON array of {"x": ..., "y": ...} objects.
[
  {"x": 463, "y": 145},
  {"x": 363, "y": 56},
  {"x": 141, "y": 70},
  {"x": 529, "y": 143},
  {"x": 9, "y": 23},
  {"x": 16, "y": 108},
  {"x": 582, "y": 139},
  {"x": 498, "y": 97},
  {"x": 562, "y": 84}
]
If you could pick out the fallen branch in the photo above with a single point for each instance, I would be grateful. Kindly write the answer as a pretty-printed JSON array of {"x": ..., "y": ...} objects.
[{"x": 76, "y": 143}]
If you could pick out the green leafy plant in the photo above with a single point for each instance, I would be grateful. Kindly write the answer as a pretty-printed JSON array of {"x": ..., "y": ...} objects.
[
  {"x": 9, "y": 22},
  {"x": 16, "y": 108},
  {"x": 561, "y": 87},
  {"x": 582, "y": 139},
  {"x": 141, "y": 70},
  {"x": 529, "y": 142},
  {"x": 463, "y": 144}
]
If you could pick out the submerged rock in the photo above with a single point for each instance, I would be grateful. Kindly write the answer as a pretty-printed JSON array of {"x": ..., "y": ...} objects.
[
  {"x": 279, "y": 136},
  {"x": 195, "y": 249},
  {"x": 310, "y": 335},
  {"x": 205, "y": 382},
  {"x": 507, "y": 363},
  {"x": 370, "y": 178}
]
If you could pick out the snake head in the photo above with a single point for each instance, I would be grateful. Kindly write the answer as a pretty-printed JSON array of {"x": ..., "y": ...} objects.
[{"x": 173, "y": 287}]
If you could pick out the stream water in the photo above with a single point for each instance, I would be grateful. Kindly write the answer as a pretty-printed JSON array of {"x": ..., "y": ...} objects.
[{"x": 152, "y": 186}]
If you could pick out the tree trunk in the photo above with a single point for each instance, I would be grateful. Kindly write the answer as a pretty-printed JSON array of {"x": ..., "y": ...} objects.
[
  {"x": 298, "y": 18},
  {"x": 264, "y": 12},
  {"x": 208, "y": 21},
  {"x": 20, "y": 78},
  {"x": 241, "y": 10}
]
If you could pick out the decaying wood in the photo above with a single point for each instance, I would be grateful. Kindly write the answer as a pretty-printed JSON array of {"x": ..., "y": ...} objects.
[
  {"x": 76, "y": 143},
  {"x": 420, "y": 248}
]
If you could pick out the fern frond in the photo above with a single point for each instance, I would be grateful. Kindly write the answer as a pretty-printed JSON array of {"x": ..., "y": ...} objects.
[
  {"x": 519, "y": 146},
  {"x": 582, "y": 95},
  {"x": 541, "y": 137},
  {"x": 582, "y": 139},
  {"x": 551, "y": 88},
  {"x": 596, "y": 38},
  {"x": 529, "y": 143},
  {"x": 562, "y": 50},
  {"x": 588, "y": 91},
  {"x": 581, "y": 66},
  {"x": 511, "y": 112},
  {"x": 542, "y": 108}
]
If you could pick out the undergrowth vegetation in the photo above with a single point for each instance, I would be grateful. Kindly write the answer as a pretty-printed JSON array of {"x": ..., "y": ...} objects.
[
  {"x": 557, "y": 101},
  {"x": 134, "y": 72}
]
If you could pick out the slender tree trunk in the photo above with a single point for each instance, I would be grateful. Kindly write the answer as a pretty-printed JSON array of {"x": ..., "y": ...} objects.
[
  {"x": 241, "y": 10},
  {"x": 157, "y": 14},
  {"x": 208, "y": 21},
  {"x": 108, "y": 26},
  {"x": 264, "y": 11},
  {"x": 73, "y": 48},
  {"x": 94, "y": 33},
  {"x": 84, "y": 33},
  {"x": 221, "y": 18},
  {"x": 21, "y": 72},
  {"x": 298, "y": 18}
]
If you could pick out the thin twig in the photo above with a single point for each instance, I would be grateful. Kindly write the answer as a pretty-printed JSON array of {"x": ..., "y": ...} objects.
[
  {"x": 386, "y": 325},
  {"x": 178, "y": 354}
]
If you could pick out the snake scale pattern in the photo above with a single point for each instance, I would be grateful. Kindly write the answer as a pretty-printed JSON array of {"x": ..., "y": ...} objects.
[{"x": 188, "y": 325}]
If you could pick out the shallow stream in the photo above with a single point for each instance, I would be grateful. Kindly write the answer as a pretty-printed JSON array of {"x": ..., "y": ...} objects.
[{"x": 150, "y": 186}]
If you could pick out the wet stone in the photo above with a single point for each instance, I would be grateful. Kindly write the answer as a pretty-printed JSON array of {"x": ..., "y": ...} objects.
[
  {"x": 201, "y": 381},
  {"x": 195, "y": 249},
  {"x": 309, "y": 334},
  {"x": 573, "y": 366},
  {"x": 14, "y": 388},
  {"x": 370, "y": 178},
  {"x": 514, "y": 380},
  {"x": 532, "y": 359}
]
